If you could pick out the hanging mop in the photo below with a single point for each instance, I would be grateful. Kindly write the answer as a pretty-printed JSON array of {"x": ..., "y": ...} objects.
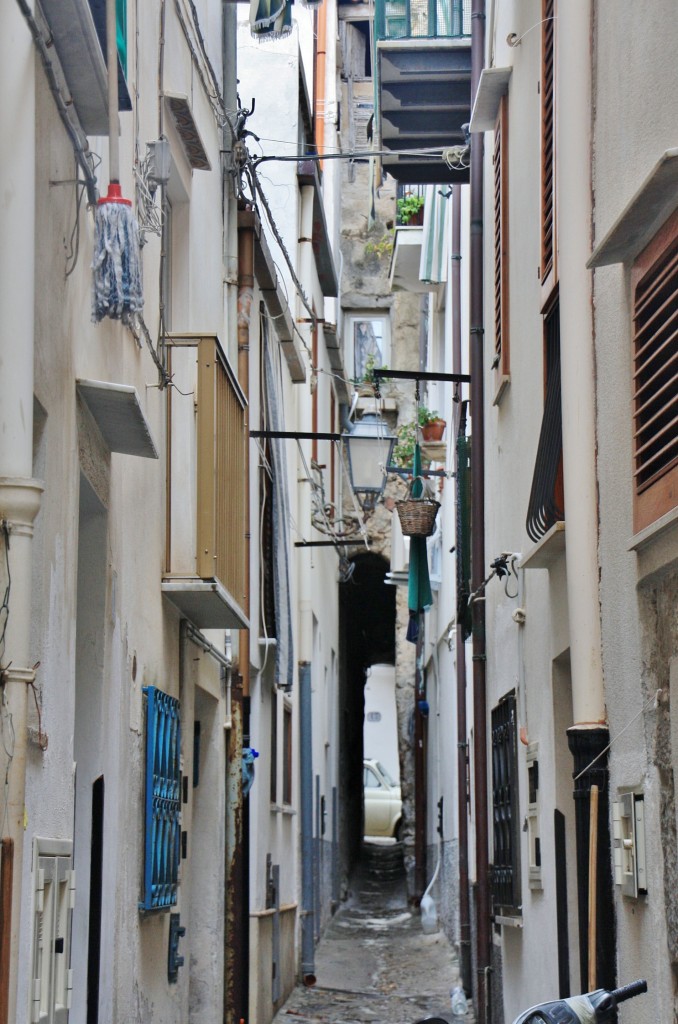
[{"x": 117, "y": 287}]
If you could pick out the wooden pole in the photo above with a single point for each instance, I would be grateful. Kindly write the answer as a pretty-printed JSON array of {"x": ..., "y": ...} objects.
[{"x": 593, "y": 885}]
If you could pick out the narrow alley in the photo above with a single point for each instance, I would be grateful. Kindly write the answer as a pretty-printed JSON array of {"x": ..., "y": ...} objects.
[{"x": 374, "y": 963}]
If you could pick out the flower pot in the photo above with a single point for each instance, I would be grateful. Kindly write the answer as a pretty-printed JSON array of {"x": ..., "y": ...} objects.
[{"x": 434, "y": 430}]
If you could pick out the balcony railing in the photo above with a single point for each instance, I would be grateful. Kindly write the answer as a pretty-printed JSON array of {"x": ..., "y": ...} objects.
[{"x": 423, "y": 19}]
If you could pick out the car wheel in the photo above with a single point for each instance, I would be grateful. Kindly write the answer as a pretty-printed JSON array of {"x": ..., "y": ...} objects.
[{"x": 397, "y": 831}]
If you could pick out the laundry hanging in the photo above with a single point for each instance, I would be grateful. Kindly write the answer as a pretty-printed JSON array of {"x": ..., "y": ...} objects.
[
  {"x": 270, "y": 19},
  {"x": 419, "y": 596}
]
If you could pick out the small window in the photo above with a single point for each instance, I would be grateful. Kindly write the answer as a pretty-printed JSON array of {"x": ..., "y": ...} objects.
[
  {"x": 368, "y": 342},
  {"x": 287, "y": 754},
  {"x": 655, "y": 377},
  {"x": 370, "y": 780}
]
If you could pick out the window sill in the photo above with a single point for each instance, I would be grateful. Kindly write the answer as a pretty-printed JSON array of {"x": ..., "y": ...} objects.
[
  {"x": 283, "y": 809},
  {"x": 644, "y": 537},
  {"x": 509, "y": 921},
  {"x": 547, "y": 551}
]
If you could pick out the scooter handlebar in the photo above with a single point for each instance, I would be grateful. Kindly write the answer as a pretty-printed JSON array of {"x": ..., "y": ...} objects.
[{"x": 634, "y": 988}]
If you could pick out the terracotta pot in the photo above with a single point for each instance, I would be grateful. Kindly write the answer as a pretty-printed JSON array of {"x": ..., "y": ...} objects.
[{"x": 434, "y": 430}]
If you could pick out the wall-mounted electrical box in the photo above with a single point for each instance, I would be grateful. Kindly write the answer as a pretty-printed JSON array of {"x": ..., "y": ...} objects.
[{"x": 628, "y": 819}]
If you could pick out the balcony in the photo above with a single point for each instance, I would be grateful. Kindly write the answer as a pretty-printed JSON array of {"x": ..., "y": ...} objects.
[
  {"x": 206, "y": 503},
  {"x": 423, "y": 85}
]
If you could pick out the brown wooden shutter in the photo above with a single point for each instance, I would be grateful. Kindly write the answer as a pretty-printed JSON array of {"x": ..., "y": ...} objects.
[
  {"x": 501, "y": 264},
  {"x": 655, "y": 377},
  {"x": 548, "y": 148}
]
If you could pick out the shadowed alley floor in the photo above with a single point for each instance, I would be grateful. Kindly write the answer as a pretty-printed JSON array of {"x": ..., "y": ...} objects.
[{"x": 374, "y": 964}]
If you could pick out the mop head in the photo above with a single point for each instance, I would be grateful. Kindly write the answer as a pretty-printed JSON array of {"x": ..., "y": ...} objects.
[{"x": 116, "y": 264}]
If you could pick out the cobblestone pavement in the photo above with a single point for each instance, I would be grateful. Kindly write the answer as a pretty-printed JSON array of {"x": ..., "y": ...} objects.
[{"x": 374, "y": 964}]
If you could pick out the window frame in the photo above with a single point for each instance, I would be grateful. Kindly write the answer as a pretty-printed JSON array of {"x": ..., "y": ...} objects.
[
  {"x": 655, "y": 498},
  {"x": 352, "y": 319},
  {"x": 504, "y": 720}
]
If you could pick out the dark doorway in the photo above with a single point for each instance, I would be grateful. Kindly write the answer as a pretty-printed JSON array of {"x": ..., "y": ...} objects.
[{"x": 367, "y": 609}]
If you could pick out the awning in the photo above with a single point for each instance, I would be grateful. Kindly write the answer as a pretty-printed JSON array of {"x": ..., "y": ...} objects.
[{"x": 433, "y": 260}]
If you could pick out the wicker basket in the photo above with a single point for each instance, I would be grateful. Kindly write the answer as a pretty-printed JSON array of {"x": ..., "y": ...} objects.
[{"x": 417, "y": 515}]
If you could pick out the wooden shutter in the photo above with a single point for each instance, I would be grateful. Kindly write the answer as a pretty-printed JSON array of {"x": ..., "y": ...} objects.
[
  {"x": 548, "y": 144},
  {"x": 501, "y": 263},
  {"x": 655, "y": 377}
]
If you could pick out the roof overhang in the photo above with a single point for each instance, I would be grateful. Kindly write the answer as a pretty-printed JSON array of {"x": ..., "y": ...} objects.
[
  {"x": 641, "y": 218},
  {"x": 307, "y": 174}
]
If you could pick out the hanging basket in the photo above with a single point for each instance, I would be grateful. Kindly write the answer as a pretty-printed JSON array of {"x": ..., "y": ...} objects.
[{"x": 417, "y": 515}]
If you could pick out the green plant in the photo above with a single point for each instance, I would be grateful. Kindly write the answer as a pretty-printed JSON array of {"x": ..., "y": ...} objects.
[
  {"x": 367, "y": 379},
  {"x": 382, "y": 247},
  {"x": 403, "y": 452},
  {"x": 408, "y": 207},
  {"x": 427, "y": 416}
]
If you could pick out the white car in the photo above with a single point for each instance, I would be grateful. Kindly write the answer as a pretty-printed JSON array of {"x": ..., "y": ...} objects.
[{"x": 383, "y": 804}]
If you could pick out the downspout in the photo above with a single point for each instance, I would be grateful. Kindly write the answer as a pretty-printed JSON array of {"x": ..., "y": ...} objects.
[
  {"x": 480, "y": 751},
  {"x": 306, "y": 654},
  {"x": 589, "y": 735},
  {"x": 319, "y": 83},
  {"x": 19, "y": 493},
  {"x": 462, "y": 741}
]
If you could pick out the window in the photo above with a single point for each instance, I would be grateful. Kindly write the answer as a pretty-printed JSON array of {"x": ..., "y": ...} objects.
[
  {"x": 655, "y": 377},
  {"x": 273, "y": 786},
  {"x": 368, "y": 343},
  {"x": 287, "y": 753},
  {"x": 162, "y": 816},
  {"x": 500, "y": 363},
  {"x": 547, "y": 504},
  {"x": 506, "y": 868},
  {"x": 548, "y": 145},
  {"x": 532, "y": 819},
  {"x": 53, "y": 900}
]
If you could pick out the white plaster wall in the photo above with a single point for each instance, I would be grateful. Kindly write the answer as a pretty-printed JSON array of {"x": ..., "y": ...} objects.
[
  {"x": 380, "y": 735},
  {"x": 136, "y": 624},
  {"x": 634, "y": 123}
]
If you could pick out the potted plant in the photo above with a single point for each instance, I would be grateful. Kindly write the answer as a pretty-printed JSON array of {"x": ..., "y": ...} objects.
[
  {"x": 410, "y": 209},
  {"x": 403, "y": 452},
  {"x": 432, "y": 425}
]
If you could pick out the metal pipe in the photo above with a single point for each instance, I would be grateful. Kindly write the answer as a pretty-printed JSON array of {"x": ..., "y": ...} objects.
[
  {"x": 480, "y": 752},
  {"x": 245, "y": 300},
  {"x": 465, "y": 969},
  {"x": 306, "y": 785},
  {"x": 113, "y": 119}
]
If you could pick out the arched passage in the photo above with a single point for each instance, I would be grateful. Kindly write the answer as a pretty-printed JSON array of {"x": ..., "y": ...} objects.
[{"x": 367, "y": 608}]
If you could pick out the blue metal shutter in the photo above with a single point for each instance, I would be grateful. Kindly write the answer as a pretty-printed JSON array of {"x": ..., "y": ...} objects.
[{"x": 163, "y": 801}]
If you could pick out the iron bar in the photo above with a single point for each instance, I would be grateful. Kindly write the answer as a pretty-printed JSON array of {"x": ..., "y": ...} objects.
[{"x": 417, "y": 375}]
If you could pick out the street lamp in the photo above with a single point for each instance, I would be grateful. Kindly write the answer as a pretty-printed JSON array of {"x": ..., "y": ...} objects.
[{"x": 368, "y": 446}]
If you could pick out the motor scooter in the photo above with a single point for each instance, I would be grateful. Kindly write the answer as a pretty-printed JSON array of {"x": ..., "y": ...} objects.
[{"x": 590, "y": 1008}]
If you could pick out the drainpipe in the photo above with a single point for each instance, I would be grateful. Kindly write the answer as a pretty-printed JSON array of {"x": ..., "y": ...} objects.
[
  {"x": 319, "y": 82},
  {"x": 306, "y": 784},
  {"x": 19, "y": 493},
  {"x": 306, "y": 648},
  {"x": 462, "y": 743},
  {"x": 589, "y": 735},
  {"x": 480, "y": 750}
]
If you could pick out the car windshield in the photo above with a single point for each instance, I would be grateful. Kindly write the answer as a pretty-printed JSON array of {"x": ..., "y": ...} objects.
[{"x": 391, "y": 781}]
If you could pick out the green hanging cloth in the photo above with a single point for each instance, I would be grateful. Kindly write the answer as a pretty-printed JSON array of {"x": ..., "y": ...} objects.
[
  {"x": 419, "y": 596},
  {"x": 270, "y": 19}
]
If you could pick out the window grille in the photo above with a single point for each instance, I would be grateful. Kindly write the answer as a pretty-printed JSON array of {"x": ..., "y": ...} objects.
[
  {"x": 163, "y": 800},
  {"x": 546, "y": 505},
  {"x": 655, "y": 378},
  {"x": 506, "y": 872}
]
